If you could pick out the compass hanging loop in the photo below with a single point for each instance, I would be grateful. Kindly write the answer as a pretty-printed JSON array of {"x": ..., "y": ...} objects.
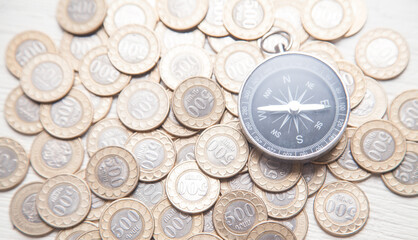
[{"x": 282, "y": 44}]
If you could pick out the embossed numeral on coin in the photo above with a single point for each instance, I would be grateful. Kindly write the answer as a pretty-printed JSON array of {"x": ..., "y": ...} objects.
[
  {"x": 221, "y": 152},
  {"x": 125, "y": 223},
  {"x": 239, "y": 214},
  {"x": 28, "y": 50},
  {"x": 103, "y": 70},
  {"x": 177, "y": 223},
  {"x": 114, "y": 171},
  {"x": 341, "y": 210},
  {"x": 379, "y": 145},
  {"x": 64, "y": 201},
  {"x": 7, "y": 163}
]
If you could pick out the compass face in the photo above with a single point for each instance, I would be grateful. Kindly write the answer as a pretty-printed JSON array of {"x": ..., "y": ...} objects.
[{"x": 294, "y": 106}]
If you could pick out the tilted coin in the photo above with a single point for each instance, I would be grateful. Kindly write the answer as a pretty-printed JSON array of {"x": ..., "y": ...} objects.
[
  {"x": 237, "y": 212},
  {"x": 213, "y": 24},
  {"x": 314, "y": 176},
  {"x": 190, "y": 190},
  {"x": 143, "y": 105},
  {"x": 323, "y": 50},
  {"x": 46, "y": 78},
  {"x": 14, "y": 163},
  {"x": 354, "y": 80},
  {"x": 241, "y": 181},
  {"x": 91, "y": 235},
  {"x": 204, "y": 236},
  {"x": 382, "y": 53},
  {"x": 63, "y": 201},
  {"x": 404, "y": 179},
  {"x": 198, "y": 103},
  {"x": 23, "y": 212},
  {"x": 271, "y": 230},
  {"x": 68, "y": 118},
  {"x": 403, "y": 112},
  {"x": 150, "y": 193},
  {"x": 50, "y": 156},
  {"x": 101, "y": 105},
  {"x": 75, "y": 232},
  {"x": 173, "y": 224},
  {"x": 182, "y": 15},
  {"x": 23, "y": 47},
  {"x": 231, "y": 102},
  {"x": 126, "y": 219},
  {"x": 378, "y": 146},
  {"x": 360, "y": 13},
  {"x": 133, "y": 49},
  {"x": 81, "y": 17},
  {"x": 291, "y": 11},
  {"x": 327, "y": 19},
  {"x": 185, "y": 148},
  {"x": 174, "y": 128},
  {"x": 208, "y": 222},
  {"x": 228, "y": 117},
  {"x": 335, "y": 153},
  {"x": 248, "y": 20},
  {"x": 298, "y": 224},
  {"x": 341, "y": 209},
  {"x": 112, "y": 173}
]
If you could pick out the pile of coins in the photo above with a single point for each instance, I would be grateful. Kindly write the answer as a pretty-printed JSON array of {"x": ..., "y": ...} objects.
[{"x": 175, "y": 163}]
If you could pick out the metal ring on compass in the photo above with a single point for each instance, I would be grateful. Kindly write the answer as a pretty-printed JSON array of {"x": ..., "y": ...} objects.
[{"x": 280, "y": 47}]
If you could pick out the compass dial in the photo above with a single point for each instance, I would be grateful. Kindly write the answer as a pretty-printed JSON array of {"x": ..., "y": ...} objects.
[{"x": 294, "y": 106}]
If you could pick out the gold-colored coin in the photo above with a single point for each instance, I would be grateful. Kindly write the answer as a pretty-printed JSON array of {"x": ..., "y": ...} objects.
[
  {"x": 50, "y": 156},
  {"x": 68, "y": 118},
  {"x": 323, "y": 50},
  {"x": 298, "y": 224},
  {"x": 213, "y": 24},
  {"x": 150, "y": 193},
  {"x": 14, "y": 163},
  {"x": 204, "y": 236},
  {"x": 403, "y": 180},
  {"x": 403, "y": 113},
  {"x": 81, "y": 17},
  {"x": 234, "y": 63},
  {"x": 101, "y": 105},
  {"x": 273, "y": 175},
  {"x": 198, "y": 103},
  {"x": 23, "y": 47},
  {"x": 248, "y": 20},
  {"x": 327, "y": 19},
  {"x": 185, "y": 148},
  {"x": 168, "y": 219},
  {"x": 63, "y": 201},
  {"x": 354, "y": 80},
  {"x": 190, "y": 190},
  {"x": 345, "y": 168},
  {"x": 221, "y": 151},
  {"x": 112, "y": 173},
  {"x": 133, "y": 49},
  {"x": 75, "y": 232},
  {"x": 378, "y": 146},
  {"x": 289, "y": 10},
  {"x": 334, "y": 153},
  {"x": 46, "y": 78},
  {"x": 126, "y": 219},
  {"x": 182, "y": 15},
  {"x": 91, "y": 235},
  {"x": 23, "y": 212},
  {"x": 125, "y": 12},
  {"x": 336, "y": 196},
  {"x": 143, "y": 105},
  {"x": 237, "y": 212},
  {"x": 372, "y": 107},
  {"x": 241, "y": 181},
  {"x": 271, "y": 230},
  {"x": 360, "y": 13},
  {"x": 231, "y": 102},
  {"x": 314, "y": 176}
]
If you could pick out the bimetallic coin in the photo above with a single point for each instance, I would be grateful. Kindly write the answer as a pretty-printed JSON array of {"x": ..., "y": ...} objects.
[
  {"x": 378, "y": 146},
  {"x": 182, "y": 14},
  {"x": 314, "y": 176},
  {"x": 185, "y": 148},
  {"x": 241, "y": 181},
  {"x": 213, "y": 24},
  {"x": 91, "y": 235},
  {"x": 81, "y": 16},
  {"x": 271, "y": 230},
  {"x": 335, "y": 153},
  {"x": 23, "y": 47},
  {"x": 403, "y": 112},
  {"x": 208, "y": 222},
  {"x": 360, "y": 13},
  {"x": 204, "y": 236},
  {"x": 133, "y": 49},
  {"x": 112, "y": 173},
  {"x": 63, "y": 201},
  {"x": 14, "y": 163},
  {"x": 174, "y": 128},
  {"x": 190, "y": 190},
  {"x": 23, "y": 212},
  {"x": 75, "y": 232},
  {"x": 341, "y": 209},
  {"x": 126, "y": 219},
  {"x": 231, "y": 102},
  {"x": 353, "y": 79},
  {"x": 323, "y": 50},
  {"x": 291, "y": 11},
  {"x": 101, "y": 105},
  {"x": 237, "y": 212},
  {"x": 150, "y": 194},
  {"x": 382, "y": 54},
  {"x": 46, "y": 78},
  {"x": 298, "y": 225}
]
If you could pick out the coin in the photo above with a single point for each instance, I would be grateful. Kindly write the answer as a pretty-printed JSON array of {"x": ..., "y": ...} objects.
[
  {"x": 236, "y": 212},
  {"x": 75, "y": 232},
  {"x": 208, "y": 221},
  {"x": 91, "y": 235},
  {"x": 125, "y": 12},
  {"x": 403, "y": 113},
  {"x": 314, "y": 176},
  {"x": 228, "y": 117},
  {"x": 335, "y": 153},
  {"x": 46, "y": 78},
  {"x": 81, "y": 17},
  {"x": 218, "y": 43},
  {"x": 23, "y": 212},
  {"x": 68, "y": 118},
  {"x": 382, "y": 54},
  {"x": 63, "y": 201},
  {"x": 271, "y": 42},
  {"x": 173, "y": 224},
  {"x": 248, "y": 20},
  {"x": 173, "y": 127},
  {"x": 241, "y": 181},
  {"x": 271, "y": 230},
  {"x": 183, "y": 62},
  {"x": 213, "y": 24},
  {"x": 360, "y": 12},
  {"x": 403, "y": 180},
  {"x": 234, "y": 63},
  {"x": 298, "y": 225},
  {"x": 182, "y": 15},
  {"x": 198, "y": 103},
  {"x": 231, "y": 102},
  {"x": 324, "y": 50},
  {"x": 101, "y": 105},
  {"x": 23, "y": 47},
  {"x": 185, "y": 149},
  {"x": 112, "y": 173},
  {"x": 272, "y": 175},
  {"x": 353, "y": 79},
  {"x": 289, "y": 10},
  {"x": 329, "y": 203},
  {"x": 204, "y": 236},
  {"x": 126, "y": 219},
  {"x": 143, "y": 105},
  {"x": 14, "y": 163},
  {"x": 190, "y": 190},
  {"x": 378, "y": 146},
  {"x": 373, "y": 106},
  {"x": 150, "y": 194},
  {"x": 50, "y": 156},
  {"x": 327, "y": 19},
  {"x": 152, "y": 76},
  {"x": 133, "y": 49}
]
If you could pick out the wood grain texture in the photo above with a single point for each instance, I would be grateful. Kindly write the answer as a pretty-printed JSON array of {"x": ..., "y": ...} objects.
[{"x": 391, "y": 216}]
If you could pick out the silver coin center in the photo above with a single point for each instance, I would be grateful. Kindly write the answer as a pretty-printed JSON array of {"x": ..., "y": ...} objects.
[
  {"x": 290, "y": 223},
  {"x": 341, "y": 208},
  {"x": 133, "y": 48},
  {"x": 274, "y": 169},
  {"x": 327, "y": 14},
  {"x": 346, "y": 160},
  {"x": 208, "y": 222},
  {"x": 366, "y": 106},
  {"x": 382, "y": 53},
  {"x": 221, "y": 150},
  {"x": 102, "y": 71},
  {"x": 149, "y": 153},
  {"x": 26, "y": 109},
  {"x": 56, "y": 153},
  {"x": 96, "y": 202},
  {"x": 182, "y": 8},
  {"x": 348, "y": 81},
  {"x": 215, "y": 12},
  {"x": 378, "y": 145},
  {"x": 240, "y": 216},
  {"x": 112, "y": 136},
  {"x": 241, "y": 182},
  {"x": 113, "y": 171},
  {"x": 67, "y": 112},
  {"x": 407, "y": 172},
  {"x": 176, "y": 224},
  {"x": 185, "y": 65},
  {"x": 29, "y": 49},
  {"x": 283, "y": 198},
  {"x": 129, "y": 14},
  {"x": 127, "y": 224},
  {"x": 47, "y": 76},
  {"x": 63, "y": 200},
  {"x": 248, "y": 14},
  {"x": 308, "y": 172},
  {"x": 198, "y": 101},
  {"x": 192, "y": 185},
  {"x": 238, "y": 65},
  {"x": 8, "y": 161},
  {"x": 149, "y": 193},
  {"x": 143, "y": 104},
  {"x": 29, "y": 209},
  {"x": 270, "y": 236},
  {"x": 80, "y": 45},
  {"x": 186, "y": 153},
  {"x": 408, "y": 114},
  {"x": 81, "y": 11}
]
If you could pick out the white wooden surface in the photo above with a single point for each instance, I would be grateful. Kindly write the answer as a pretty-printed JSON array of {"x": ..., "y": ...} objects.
[{"x": 391, "y": 216}]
